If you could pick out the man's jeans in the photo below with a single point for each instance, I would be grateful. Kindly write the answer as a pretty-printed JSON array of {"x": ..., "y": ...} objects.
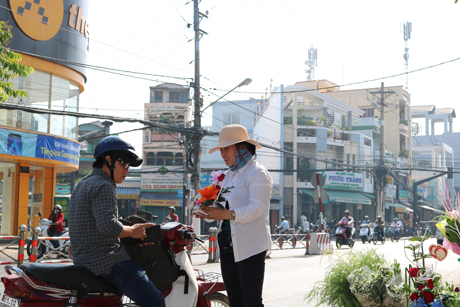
[{"x": 133, "y": 281}]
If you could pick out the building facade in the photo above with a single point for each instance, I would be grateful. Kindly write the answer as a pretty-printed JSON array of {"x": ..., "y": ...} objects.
[
  {"x": 34, "y": 147},
  {"x": 162, "y": 179}
]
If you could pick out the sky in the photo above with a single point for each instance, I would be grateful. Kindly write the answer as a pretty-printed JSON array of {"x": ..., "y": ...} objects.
[{"x": 359, "y": 44}]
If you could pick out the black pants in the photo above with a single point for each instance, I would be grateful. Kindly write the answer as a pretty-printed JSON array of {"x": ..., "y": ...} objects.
[{"x": 244, "y": 279}]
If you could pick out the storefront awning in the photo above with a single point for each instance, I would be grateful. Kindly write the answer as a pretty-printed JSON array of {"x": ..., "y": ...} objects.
[
  {"x": 432, "y": 209},
  {"x": 371, "y": 196},
  {"x": 128, "y": 191},
  {"x": 310, "y": 192},
  {"x": 399, "y": 207},
  {"x": 158, "y": 195},
  {"x": 348, "y": 197}
]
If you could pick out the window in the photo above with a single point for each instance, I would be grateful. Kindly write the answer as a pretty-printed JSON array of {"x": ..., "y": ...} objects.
[
  {"x": 174, "y": 96},
  {"x": 179, "y": 159},
  {"x": 158, "y": 96},
  {"x": 150, "y": 158},
  {"x": 369, "y": 112},
  {"x": 231, "y": 118},
  {"x": 289, "y": 165},
  {"x": 165, "y": 158}
]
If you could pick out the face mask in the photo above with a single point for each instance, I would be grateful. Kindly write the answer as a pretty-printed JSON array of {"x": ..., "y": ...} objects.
[{"x": 242, "y": 158}]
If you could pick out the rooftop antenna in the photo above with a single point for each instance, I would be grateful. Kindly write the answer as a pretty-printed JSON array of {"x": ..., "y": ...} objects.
[
  {"x": 311, "y": 63},
  {"x": 407, "y": 29}
]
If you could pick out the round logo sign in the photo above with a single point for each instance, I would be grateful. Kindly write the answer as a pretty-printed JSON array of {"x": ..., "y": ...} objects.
[{"x": 38, "y": 19}]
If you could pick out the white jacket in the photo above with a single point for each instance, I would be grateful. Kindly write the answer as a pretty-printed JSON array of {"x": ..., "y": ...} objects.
[{"x": 250, "y": 198}]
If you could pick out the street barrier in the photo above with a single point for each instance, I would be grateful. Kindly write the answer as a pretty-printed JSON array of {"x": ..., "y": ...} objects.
[
  {"x": 294, "y": 240},
  {"x": 212, "y": 255},
  {"x": 36, "y": 241},
  {"x": 20, "y": 239},
  {"x": 320, "y": 244},
  {"x": 307, "y": 243}
]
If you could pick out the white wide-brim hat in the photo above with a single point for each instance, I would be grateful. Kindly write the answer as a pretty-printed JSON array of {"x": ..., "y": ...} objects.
[{"x": 233, "y": 134}]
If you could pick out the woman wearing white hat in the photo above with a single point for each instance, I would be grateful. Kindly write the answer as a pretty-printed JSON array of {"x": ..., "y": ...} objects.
[{"x": 244, "y": 232}]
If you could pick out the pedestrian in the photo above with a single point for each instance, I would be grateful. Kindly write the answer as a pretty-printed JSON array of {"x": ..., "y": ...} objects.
[
  {"x": 244, "y": 231},
  {"x": 57, "y": 228},
  {"x": 95, "y": 231}
]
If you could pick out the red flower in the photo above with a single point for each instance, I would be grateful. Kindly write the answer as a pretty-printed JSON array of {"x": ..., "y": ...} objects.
[
  {"x": 429, "y": 283},
  {"x": 413, "y": 272},
  {"x": 221, "y": 177},
  {"x": 420, "y": 287},
  {"x": 457, "y": 289},
  {"x": 414, "y": 297},
  {"x": 428, "y": 296}
]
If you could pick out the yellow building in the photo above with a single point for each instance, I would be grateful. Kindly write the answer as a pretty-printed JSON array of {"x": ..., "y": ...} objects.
[{"x": 35, "y": 147}]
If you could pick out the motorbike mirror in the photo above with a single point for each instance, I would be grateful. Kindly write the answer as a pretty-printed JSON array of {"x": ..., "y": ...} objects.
[{"x": 39, "y": 214}]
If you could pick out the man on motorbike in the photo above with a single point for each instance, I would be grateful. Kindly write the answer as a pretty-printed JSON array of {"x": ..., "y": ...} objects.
[
  {"x": 397, "y": 225},
  {"x": 95, "y": 229},
  {"x": 349, "y": 221},
  {"x": 284, "y": 226},
  {"x": 305, "y": 223},
  {"x": 365, "y": 220},
  {"x": 379, "y": 225}
]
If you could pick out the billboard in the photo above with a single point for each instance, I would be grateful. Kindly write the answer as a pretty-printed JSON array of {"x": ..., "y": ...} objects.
[{"x": 162, "y": 178}]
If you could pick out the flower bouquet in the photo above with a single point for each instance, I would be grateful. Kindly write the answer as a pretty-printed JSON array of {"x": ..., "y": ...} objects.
[
  {"x": 214, "y": 195},
  {"x": 449, "y": 225}
]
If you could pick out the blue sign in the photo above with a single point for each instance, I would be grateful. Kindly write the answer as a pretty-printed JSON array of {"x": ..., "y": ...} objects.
[
  {"x": 180, "y": 193},
  {"x": 49, "y": 147}
]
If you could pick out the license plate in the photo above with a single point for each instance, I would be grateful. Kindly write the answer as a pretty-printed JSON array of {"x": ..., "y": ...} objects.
[{"x": 9, "y": 301}]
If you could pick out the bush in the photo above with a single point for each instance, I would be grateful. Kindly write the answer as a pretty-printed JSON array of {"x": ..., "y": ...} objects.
[{"x": 334, "y": 290}]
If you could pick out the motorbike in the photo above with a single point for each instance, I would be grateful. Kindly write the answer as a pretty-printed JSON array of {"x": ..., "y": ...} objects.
[
  {"x": 45, "y": 246},
  {"x": 364, "y": 233},
  {"x": 395, "y": 235},
  {"x": 341, "y": 236},
  {"x": 378, "y": 235},
  {"x": 43, "y": 285}
]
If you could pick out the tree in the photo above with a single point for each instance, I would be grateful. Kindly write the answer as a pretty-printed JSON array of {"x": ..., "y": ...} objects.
[{"x": 10, "y": 67}]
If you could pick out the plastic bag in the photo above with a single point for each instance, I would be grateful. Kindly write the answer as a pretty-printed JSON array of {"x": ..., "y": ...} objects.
[
  {"x": 361, "y": 286},
  {"x": 393, "y": 296}
]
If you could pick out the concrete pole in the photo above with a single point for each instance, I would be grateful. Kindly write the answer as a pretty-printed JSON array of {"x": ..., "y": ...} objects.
[{"x": 294, "y": 159}]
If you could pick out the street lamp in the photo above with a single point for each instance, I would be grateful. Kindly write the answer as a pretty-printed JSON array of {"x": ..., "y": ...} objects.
[{"x": 246, "y": 81}]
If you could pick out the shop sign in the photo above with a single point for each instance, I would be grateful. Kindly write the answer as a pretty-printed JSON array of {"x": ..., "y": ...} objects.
[
  {"x": 422, "y": 192},
  {"x": 276, "y": 190},
  {"x": 343, "y": 181},
  {"x": 390, "y": 190},
  {"x": 359, "y": 207},
  {"x": 161, "y": 178},
  {"x": 397, "y": 209},
  {"x": 63, "y": 201},
  {"x": 23, "y": 144},
  {"x": 403, "y": 194},
  {"x": 160, "y": 202}
]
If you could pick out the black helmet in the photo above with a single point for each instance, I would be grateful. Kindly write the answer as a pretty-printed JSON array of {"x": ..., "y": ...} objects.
[
  {"x": 122, "y": 149},
  {"x": 346, "y": 212},
  {"x": 172, "y": 208}
]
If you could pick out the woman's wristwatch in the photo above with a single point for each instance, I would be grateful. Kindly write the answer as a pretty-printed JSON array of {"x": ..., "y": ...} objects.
[{"x": 233, "y": 214}]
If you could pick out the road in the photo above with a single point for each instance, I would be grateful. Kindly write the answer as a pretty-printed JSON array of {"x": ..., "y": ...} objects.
[{"x": 290, "y": 274}]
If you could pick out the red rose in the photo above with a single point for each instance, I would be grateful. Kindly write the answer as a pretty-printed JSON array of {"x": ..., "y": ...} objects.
[
  {"x": 429, "y": 283},
  {"x": 414, "y": 297},
  {"x": 217, "y": 187},
  {"x": 428, "y": 296},
  {"x": 420, "y": 287},
  {"x": 221, "y": 177},
  {"x": 457, "y": 289},
  {"x": 413, "y": 272}
]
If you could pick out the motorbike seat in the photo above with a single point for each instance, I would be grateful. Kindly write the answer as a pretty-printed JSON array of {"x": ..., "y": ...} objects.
[{"x": 68, "y": 275}]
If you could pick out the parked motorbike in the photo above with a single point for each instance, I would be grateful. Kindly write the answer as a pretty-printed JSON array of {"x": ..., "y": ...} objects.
[
  {"x": 341, "y": 236},
  {"x": 378, "y": 235},
  {"x": 45, "y": 246},
  {"x": 395, "y": 234},
  {"x": 43, "y": 285},
  {"x": 364, "y": 233}
]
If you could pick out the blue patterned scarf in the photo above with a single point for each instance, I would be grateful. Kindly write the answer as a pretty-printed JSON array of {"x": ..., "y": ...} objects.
[{"x": 242, "y": 158}]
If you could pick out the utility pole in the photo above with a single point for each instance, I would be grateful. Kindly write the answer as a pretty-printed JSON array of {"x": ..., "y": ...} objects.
[
  {"x": 197, "y": 16},
  {"x": 381, "y": 170}
]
